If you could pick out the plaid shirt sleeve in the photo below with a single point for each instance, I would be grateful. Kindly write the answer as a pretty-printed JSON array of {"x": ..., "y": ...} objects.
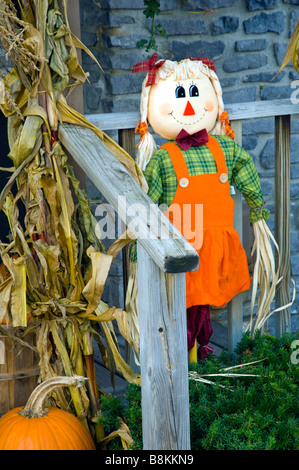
[
  {"x": 246, "y": 179},
  {"x": 162, "y": 181}
]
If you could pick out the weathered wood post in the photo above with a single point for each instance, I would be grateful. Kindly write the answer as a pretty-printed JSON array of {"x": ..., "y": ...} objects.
[
  {"x": 163, "y": 356},
  {"x": 163, "y": 258},
  {"x": 282, "y": 219},
  {"x": 235, "y": 306}
]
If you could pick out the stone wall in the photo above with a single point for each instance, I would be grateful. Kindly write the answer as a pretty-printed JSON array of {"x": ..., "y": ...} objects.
[{"x": 247, "y": 40}]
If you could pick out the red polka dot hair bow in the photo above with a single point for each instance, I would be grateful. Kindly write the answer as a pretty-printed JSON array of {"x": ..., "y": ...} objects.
[{"x": 151, "y": 66}]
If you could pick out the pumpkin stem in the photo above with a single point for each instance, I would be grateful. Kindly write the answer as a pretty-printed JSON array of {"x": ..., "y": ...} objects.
[{"x": 34, "y": 406}]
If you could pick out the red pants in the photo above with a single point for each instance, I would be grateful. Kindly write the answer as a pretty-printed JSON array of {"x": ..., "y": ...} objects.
[{"x": 199, "y": 327}]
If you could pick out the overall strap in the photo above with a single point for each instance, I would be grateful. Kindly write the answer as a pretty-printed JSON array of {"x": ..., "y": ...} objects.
[
  {"x": 178, "y": 161},
  {"x": 218, "y": 155}
]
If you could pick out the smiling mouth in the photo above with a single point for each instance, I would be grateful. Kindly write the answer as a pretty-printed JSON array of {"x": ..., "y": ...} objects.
[{"x": 188, "y": 123}]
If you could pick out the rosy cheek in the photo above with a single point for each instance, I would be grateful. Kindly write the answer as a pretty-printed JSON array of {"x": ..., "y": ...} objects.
[
  {"x": 209, "y": 105},
  {"x": 165, "y": 109}
]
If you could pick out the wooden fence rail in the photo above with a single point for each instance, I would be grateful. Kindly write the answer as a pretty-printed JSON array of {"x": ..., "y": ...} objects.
[{"x": 164, "y": 260}]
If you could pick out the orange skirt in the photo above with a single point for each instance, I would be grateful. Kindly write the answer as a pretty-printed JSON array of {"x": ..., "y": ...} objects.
[{"x": 223, "y": 269}]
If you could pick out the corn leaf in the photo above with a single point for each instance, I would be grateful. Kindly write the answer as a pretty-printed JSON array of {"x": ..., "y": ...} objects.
[
  {"x": 123, "y": 432},
  {"x": 18, "y": 304},
  {"x": 292, "y": 51},
  {"x": 25, "y": 143},
  {"x": 5, "y": 295},
  {"x": 100, "y": 268},
  {"x": 67, "y": 208}
]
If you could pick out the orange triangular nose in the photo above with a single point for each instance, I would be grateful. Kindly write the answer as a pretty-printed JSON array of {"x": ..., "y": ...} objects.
[{"x": 189, "y": 111}]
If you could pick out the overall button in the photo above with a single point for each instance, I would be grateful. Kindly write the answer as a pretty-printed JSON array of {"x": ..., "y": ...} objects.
[
  {"x": 223, "y": 178},
  {"x": 184, "y": 182}
]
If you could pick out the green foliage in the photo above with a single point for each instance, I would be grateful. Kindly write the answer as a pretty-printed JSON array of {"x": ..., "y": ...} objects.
[
  {"x": 250, "y": 413},
  {"x": 257, "y": 413},
  {"x": 111, "y": 411},
  {"x": 151, "y": 11}
]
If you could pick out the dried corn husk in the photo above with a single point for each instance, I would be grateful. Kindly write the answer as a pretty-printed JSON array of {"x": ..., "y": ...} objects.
[
  {"x": 266, "y": 277},
  {"x": 292, "y": 51}
]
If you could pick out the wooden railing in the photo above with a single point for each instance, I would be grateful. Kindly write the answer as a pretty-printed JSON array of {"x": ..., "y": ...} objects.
[
  {"x": 162, "y": 262},
  {"x": 163, "y": 258}
]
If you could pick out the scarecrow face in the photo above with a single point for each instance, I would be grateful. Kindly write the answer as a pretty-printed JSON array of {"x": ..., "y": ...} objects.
[{"x": 189, "y": 104}]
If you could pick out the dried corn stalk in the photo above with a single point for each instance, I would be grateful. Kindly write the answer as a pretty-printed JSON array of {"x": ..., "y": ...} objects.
[{"x": 55, "y": 267}]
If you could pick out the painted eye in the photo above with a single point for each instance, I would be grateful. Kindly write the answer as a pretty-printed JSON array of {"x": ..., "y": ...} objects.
[
  {"x": 193, "y": 90},
  {"x": 180, "y": 92}
]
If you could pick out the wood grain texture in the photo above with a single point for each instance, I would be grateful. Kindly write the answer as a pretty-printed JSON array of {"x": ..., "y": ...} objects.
[
  {"x": 235, "y": 306},
  {"x": 19, "y": 370},
  {"x": 163, "y": 357},
  {"x": 282, "y": 219},
  {"x": 160, "y": 239},
  {"x": 252, "y": 110}
]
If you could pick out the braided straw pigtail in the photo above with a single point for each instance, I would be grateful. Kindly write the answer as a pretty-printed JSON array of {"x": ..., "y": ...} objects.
[
  {"x": 147, "y": 145},
  {"x": 225, "y": 123}
]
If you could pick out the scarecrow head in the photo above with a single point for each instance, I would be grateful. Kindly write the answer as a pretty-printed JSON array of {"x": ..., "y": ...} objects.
[{"x": 178, "y": 96}]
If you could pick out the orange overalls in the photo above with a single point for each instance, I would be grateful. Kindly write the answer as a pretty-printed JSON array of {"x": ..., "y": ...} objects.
[{"x": 223, "y": 269}]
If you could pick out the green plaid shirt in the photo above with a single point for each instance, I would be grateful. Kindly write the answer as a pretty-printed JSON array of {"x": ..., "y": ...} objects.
[{"x": 162, "y": 181}]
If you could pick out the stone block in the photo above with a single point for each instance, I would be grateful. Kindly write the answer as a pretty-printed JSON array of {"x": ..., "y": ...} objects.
[
  {"x": 258, "y": 126},
  {"x": 267, "y": 159},
  {"x": 294, "y": 239},
  {"x": 280, "y": 49},
  {"x": 207, "y": 4},
  {"x": 228, "y": 81},
  {"x": 253, "y": 5},
  {"x": 295, "y": 216},
  {"x": 200, "y": 48},
  {"x": 294, "y": 75},
  {"x": 123, "y": 83},
  {"x": 225, "y": 24},
  {"x": 116, "y": 20},
  {"x": 126, "y": 104},
  {"x": 294, "y": 190},
  {"x": 92, "y": 97},
  {"x": 294, "y": 20},
  {"x": 239, "y": 62},
  {"x": 269, "y": 92},
  {"x": 89, "y": 39},
  {"x": 294, "y": 125},
  {"x": 265, "y": 23},
  {"x": 249, "y": 142},
  {"x": 294, "y": 149},
  {"x": 126, "y": 61},
  {"x": 124, "y": 41},
  {"x": 135, "y": 5},
  {"x": 264, "y": 77},
  {"x": 181, "y": 26},
  {"x": 295, "y": 172},
  {"x": 242, "y": 95},
  {"x": 122, "y": 5},
  {"x": 250, "y": 45},
  {"x": 91, "y": 14},
  {"x": 267, "y": 187},
  {"x": 295, "y": 265}
]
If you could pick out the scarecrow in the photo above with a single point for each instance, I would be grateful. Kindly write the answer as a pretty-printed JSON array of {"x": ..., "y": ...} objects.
[{"x": 182, "y": 101}]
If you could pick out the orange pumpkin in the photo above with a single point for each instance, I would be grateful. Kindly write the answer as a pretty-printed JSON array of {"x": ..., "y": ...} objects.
[{"x": 35, "y": 427}]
